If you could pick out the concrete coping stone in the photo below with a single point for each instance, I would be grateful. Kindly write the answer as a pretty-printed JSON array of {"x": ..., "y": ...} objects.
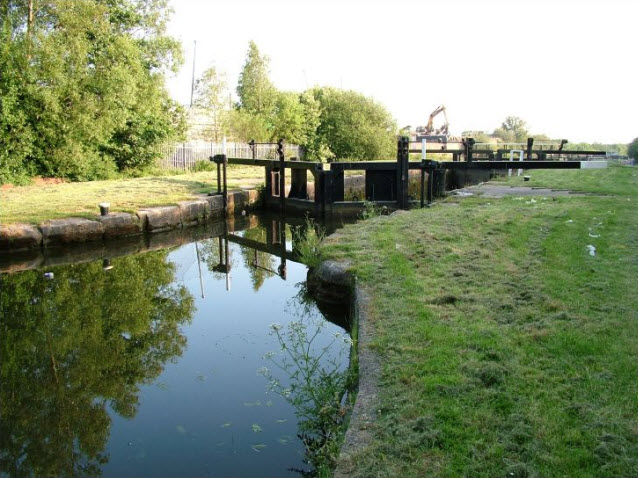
[{"x": 19, "y": 236}]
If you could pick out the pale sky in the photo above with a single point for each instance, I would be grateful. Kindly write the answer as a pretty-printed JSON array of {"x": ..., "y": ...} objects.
[{"x": 568, "y": 68}]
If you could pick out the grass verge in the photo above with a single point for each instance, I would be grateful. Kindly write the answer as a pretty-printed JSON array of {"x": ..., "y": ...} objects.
[
  {"x": 508, "y": 350},
  {"x": 34, "y": 204}
]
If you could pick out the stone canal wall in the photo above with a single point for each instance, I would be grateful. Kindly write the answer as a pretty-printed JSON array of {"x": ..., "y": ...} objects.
[
  {"x": 334, "y": 282},
  {"x": 74, "y": 230}
]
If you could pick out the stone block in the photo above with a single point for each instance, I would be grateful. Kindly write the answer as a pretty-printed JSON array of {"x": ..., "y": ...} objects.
[
  {"x": 164, "y": 218},
  {"x": 120, "y": 224},
  {"x": 216, "y": 202},
  {"x": 194, "y": 212},
  {"x": 19, "y": 236},
  {"x": 71, "y": 230}
]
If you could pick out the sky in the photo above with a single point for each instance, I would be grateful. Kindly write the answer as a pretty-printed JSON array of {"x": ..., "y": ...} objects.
[{"x": 568, "y": 68}]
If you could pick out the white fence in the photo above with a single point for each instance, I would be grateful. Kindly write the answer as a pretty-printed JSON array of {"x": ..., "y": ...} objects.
[{"x": 187, "y": 155}]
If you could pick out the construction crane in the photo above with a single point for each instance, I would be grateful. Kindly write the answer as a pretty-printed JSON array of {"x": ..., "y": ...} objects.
[{"x": 443, "y": 130}]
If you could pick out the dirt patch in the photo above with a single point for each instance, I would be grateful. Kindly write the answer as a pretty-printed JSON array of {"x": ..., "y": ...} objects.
[{"x": 36, "y": 181}]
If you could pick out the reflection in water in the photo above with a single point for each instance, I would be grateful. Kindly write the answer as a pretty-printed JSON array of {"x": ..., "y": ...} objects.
[
  {"x": 91, "y": 383},
  {"x": 73, "y": 344},
  {"x": 310, "y": 372}
]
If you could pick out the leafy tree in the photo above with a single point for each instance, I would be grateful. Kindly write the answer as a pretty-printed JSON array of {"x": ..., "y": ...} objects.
[
  {"x": 257, "y": 95},
  {"x": 632, "y": 149},
  {"x": 76, "y": 345},
  {"x": 245, "y": 126},
  {"x": 354, "y": 126},
  {"x": 513, "y": 129},
  {"x": 289, "y": 119},
  {"x": 84, "y": 86},
  {"x": 16, "y": 133},
  {"x": 315, "y": 146},
  {"x": 211, "y": 91}
]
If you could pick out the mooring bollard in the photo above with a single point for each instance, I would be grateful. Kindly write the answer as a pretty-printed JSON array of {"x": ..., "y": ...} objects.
[{"x": 104, "y": 208}]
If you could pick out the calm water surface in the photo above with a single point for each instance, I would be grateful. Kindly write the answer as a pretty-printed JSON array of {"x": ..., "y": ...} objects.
[{"x": 201, "y": 360}]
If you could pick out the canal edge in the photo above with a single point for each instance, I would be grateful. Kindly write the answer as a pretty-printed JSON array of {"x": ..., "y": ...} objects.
[
  {"x": 336, "y": 280},
  {"x": 147, "y": 220}
]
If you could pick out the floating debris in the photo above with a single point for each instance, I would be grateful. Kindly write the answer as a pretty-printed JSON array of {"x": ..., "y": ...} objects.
[
  {"x": 256, "y": 428},
  {"x": 226, "y": 425},
  {"x": 258, "y": 447},
  {"x": 252, "y": 404},
  {"x": 282, "y": 420},
  {"x": 180, "y": 429}
]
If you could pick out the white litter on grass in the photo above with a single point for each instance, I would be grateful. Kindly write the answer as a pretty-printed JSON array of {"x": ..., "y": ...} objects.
[
  {"x": 594, "y": 235},
  {"x": 518, "y": 198},
  {"x": 591, "y": 249},
  {"x": 463, "y": 193},
  {"x": 531, "y": 201},
  {"x": 569, "y": 221}
]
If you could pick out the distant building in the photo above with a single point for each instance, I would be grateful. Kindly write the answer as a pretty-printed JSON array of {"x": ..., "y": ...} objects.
[{"x": 201, "y": 125}]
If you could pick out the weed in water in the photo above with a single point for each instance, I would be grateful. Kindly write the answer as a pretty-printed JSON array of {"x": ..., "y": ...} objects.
[{"x": 308, "y": 243}]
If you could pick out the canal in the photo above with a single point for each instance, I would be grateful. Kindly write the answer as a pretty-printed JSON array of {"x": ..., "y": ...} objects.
[{"x": 203, "y": 359}]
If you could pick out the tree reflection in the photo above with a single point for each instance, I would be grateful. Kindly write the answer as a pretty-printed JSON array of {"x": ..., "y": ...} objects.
[
  {"x": 260, "y": 265},
  {"x": 74, "y": 345},
  {"x": 314, "y": 380}
]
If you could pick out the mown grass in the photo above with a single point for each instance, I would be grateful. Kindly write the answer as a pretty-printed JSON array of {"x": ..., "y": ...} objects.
[
  {"x": 36, "y": 203},
  {"x": 508, "y": 350},
  {"x": 618, "y": 180}
]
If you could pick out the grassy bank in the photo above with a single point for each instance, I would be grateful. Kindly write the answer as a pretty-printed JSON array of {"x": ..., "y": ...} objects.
[
  {"x": 34, "y": 204},
  {"x": 508, "y": 350}
]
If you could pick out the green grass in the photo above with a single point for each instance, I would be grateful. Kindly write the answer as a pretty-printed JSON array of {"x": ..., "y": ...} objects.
[
  {"x": 36, "y": 203},
  {"x": 508, "y": 350},
  {"x": 618, "y": 180}
]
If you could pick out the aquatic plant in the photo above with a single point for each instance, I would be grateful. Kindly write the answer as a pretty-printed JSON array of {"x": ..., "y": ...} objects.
[
  {"x": 316, "y": 385},
  {"x": 308, "y": 243}
]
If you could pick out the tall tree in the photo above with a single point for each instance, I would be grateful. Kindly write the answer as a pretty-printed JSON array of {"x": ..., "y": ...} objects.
[
  {"x": 257, "y": 95},
  {"x": 211, "y": 92}
]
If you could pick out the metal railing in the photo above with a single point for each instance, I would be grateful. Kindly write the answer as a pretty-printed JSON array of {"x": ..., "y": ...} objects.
[{"x": 187, "y": 155}]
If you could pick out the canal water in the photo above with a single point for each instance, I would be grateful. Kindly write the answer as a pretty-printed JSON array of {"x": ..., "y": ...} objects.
[{"x": 205, "y": 359}]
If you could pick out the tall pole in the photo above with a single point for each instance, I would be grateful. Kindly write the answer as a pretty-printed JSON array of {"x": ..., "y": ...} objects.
[
  {"x": 193, "y": 76},
  {"x": 199, "y": 266}
]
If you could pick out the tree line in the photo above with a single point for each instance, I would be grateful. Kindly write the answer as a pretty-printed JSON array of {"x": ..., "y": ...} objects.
[
  {"x": 515, "y": 130},
  {"x": 83, "y": 95},
  {"x": 327, "y": 122}
]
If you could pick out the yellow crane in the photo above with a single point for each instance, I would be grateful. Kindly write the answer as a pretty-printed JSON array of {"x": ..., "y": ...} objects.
[{"x": 444, "y": 129}]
